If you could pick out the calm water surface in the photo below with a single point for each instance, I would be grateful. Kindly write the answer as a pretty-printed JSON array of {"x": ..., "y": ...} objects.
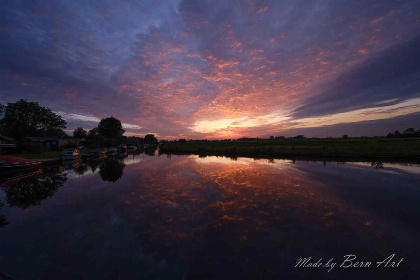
[{"x": 189, "y": 217}]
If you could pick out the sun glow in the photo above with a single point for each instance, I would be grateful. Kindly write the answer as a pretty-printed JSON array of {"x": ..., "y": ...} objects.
[{"x": 207, "y": 126}]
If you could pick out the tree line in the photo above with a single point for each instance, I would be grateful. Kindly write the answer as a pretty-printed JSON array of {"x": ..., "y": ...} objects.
[
  {"x": 24, "y": 118},
  {"x": 409, "y": 132}
]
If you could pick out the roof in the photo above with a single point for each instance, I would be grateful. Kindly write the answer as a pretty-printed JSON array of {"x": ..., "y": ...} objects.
[
  {"x": 41, "y": 138},
  {"x": 5, "y": 138}
]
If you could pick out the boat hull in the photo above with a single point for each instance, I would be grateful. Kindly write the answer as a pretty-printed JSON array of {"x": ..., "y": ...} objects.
[{"x": 70, "y": 157}]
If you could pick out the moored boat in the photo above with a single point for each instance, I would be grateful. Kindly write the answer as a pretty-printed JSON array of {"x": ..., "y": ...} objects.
[
  {"x": 70, "y": 154},
  {"x": 99, "y": 152},
  {"x": 122, "y": 149},
  {"x": 112, "y": 152},
  {"x": 132, "y": 148},
  {"x": 8, "y": 163}
]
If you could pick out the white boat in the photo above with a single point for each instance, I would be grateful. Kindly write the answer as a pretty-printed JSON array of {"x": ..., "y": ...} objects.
[
  {"x": 70, "y": 154},
  {"x": 112, "y": 152}
]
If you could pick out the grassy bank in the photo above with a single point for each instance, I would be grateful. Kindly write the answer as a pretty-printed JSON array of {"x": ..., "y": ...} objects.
[{"x": 391, "y": 148}]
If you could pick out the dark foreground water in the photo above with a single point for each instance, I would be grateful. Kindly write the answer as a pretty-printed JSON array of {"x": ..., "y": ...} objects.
[{"x": 187, "y": 217}]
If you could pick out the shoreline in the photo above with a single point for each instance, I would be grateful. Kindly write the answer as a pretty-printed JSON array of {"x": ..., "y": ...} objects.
[{"x": 368, "y": 149}]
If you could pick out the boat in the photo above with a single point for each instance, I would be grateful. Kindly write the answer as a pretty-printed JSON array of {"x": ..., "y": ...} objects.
[
  {"x": 131, "y": 148},
  {"x": 99, "y": 152},
  {"x": 8, "y": 163},
  {"x": 70, "y": 154},
  {"x": 112, "y": 152},
  {"x": 10, "y": 181},
  {"x": 122, "y": 149}
]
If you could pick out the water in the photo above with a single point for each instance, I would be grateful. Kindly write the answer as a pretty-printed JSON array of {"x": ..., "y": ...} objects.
[{"x": 189, "y": 217}]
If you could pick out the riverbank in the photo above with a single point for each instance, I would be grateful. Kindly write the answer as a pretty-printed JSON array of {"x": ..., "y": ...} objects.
[
  {"x": 405, "y": 148},
  {"x": 46, "y": 155}
]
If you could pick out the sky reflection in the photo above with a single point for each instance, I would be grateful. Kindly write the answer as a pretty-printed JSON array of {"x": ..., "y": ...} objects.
[{"x": 192, "y": 217}]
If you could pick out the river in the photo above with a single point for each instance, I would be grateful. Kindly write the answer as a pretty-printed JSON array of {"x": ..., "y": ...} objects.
[{"x": 191, "y": 217}]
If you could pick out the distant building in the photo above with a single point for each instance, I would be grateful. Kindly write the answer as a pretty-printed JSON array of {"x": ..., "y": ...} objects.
[
  {"x": 6, "y": 144},
  {"x": 77, "y": 140},
  {"x": 49, "y": 144},
  {"x": 5, "y": 139}
]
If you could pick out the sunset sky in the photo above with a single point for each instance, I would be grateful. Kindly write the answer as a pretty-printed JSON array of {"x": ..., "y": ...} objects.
[{"x": 217, "y": 69}]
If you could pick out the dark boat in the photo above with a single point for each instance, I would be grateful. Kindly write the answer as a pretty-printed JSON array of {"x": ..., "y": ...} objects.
[
  {"x": 122, "y": 149},
  {"x": 8, "y": 163},
  {"x": 131, "y": 149},
  {"x": 112, "y": 152},
  {"x": 70, "y": 154},
  {"x": 99, "y": 152}
]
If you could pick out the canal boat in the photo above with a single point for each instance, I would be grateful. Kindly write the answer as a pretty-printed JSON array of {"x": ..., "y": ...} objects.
[
  {"x": 8, "y": 163},
  {"x": 99, "y": 152},
  {"x": 70, "y": 154},
  {"x": 112, "y": 152},
  {"x": 131, "y": 149},
  {"x": 122, "y": 149}
]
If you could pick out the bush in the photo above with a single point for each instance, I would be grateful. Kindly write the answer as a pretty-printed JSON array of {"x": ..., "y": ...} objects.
[{"x": 71, "y": 144}]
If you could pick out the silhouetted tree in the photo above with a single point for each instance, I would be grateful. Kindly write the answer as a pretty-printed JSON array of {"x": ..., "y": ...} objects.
[
  {"x": 345, "y": 136},
  {"x": 390, "y": 135},
  {"x": 397, "y": 133},
  {"x": 409, "y": 131},
  {"x": 25, "y": 118},
  {"x": 150, "y": 139},
  {"x": 79, "y": 133},
  {"x": 92, "y": 134},
  {"x": 1, "y": 109},
  {"x": 110, "y": 128}
]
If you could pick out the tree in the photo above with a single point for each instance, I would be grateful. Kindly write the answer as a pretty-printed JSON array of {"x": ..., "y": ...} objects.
[
  {"x": 390, "y": 135},
  {"x": 151, "y": 139},
  {"x": 110, "y": 128},
  {"x": 1, "y": 109},
  {"x": 92, "y": 134},
  {"x": 25, "y": 118},
  {"x": 397, "y": 133},
  {"x": 79, "y": 133},
  {"x": 409, "y": 131},
  {"x": 345, "y": 136}
]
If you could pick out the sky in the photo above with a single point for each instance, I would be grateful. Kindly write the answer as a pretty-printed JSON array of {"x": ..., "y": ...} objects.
[{"x": 217, "y": 69}]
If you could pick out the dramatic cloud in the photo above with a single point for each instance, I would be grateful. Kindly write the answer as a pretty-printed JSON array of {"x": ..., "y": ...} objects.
[{"x": 216, "y": 69}]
